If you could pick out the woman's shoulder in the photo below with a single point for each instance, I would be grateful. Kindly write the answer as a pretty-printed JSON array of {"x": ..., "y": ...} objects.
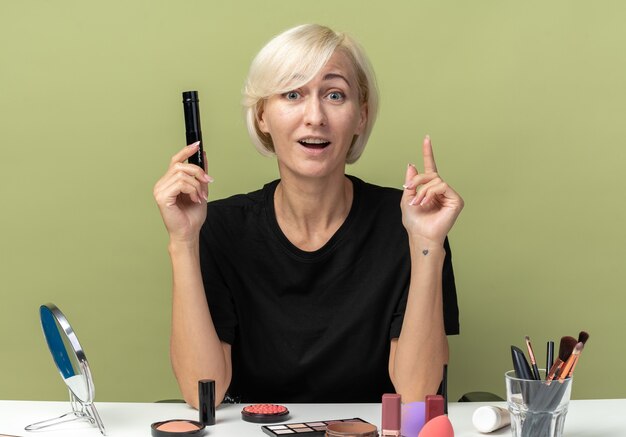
[
  {"x": 244, "y": 201},
  {"x": 233, "y": 218},
  {"x": 373, "y": 192},
  {"x": 239, "y": 212}
]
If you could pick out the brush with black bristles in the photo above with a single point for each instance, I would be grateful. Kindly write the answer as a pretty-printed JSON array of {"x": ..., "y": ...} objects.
[
  {"x": 582, "y": 339},
  {"x": 565, "y": 350}
]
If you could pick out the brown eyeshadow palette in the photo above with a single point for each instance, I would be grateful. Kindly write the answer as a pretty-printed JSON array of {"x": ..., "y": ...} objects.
[{"x": 309, "y": 429}]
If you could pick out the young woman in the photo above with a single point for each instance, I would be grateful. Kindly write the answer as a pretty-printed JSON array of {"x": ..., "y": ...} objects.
[{"x": 319, "y": 287}]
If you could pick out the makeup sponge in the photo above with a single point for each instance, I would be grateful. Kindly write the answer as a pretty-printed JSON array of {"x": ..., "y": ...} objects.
[{"x": 440, "y": 426}]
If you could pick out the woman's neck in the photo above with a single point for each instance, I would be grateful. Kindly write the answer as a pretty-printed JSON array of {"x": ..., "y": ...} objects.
[{"x": 310, "y": 211}]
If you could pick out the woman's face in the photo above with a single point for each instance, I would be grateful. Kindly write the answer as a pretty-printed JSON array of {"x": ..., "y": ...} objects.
[{"x": 312, "y": 127}]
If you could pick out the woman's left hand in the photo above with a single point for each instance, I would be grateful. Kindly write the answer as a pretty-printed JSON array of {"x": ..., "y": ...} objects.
[{"x": 429, "y": 205}]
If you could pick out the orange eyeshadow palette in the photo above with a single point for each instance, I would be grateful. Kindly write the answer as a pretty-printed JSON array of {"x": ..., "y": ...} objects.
[{"x": 309, "y": 429}]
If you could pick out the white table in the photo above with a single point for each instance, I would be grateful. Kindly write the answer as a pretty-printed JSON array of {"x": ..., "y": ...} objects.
[{"x": 586, "y": 418}]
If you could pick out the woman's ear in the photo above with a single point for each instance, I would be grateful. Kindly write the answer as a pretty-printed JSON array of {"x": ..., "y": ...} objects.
[
  {"x": 260, "y": 116},
  {"x": 363, "y": 119}
]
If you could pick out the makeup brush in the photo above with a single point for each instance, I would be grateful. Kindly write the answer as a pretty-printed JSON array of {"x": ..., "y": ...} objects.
[
  {"x": 583, "y": 337},
  {"x": 522, "y": 369},
  {"x": 569, "y": 365},
  {"x": 565, "y": 350},
  {"x": 531, "y": 354}
]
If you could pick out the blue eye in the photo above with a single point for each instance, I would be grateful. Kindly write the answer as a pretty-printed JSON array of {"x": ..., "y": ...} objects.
[
  {"x": 335, "y": 95},
  {"x": 291, "y": 95}
]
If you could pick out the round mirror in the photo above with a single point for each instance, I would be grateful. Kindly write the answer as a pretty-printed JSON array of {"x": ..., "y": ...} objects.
[
  {"x": 67, "y": 352},
  {"x": 69, "y": 357}
]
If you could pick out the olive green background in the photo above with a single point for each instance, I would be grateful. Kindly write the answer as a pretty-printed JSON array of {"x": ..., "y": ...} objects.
[{"x": 525, "y": 102}]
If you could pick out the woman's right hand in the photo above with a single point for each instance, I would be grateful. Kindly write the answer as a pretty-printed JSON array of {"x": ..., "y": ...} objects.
[{"x": 182, "y": 195}]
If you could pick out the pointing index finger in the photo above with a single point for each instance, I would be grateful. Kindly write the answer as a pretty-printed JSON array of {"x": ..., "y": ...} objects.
[
  {"x": 429, "y": 158},
  {"x": 184, "y": 153}
]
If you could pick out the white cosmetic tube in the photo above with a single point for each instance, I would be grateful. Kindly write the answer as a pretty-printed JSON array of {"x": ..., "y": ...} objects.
[{"x": 488, "y": 419}]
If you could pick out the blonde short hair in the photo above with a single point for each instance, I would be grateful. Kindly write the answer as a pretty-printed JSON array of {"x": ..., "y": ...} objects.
[{"x": 291, "y": 60}]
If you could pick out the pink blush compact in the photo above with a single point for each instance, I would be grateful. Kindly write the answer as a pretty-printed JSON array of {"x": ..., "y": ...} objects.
[
  {"x": 192, "y": 428},
  {"x": 264, "y": 413},
  {"x": 177, "y": 428}
]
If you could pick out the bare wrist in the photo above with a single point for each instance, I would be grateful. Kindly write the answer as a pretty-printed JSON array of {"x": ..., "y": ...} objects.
[
  {"x": 425, "y": 243},
  {"x": 183, "y": 246},
  {"x": 426, "y": 250}
]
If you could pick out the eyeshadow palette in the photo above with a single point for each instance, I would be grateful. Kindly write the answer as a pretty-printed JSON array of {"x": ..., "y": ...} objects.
[{"x": 309, "y": 429}]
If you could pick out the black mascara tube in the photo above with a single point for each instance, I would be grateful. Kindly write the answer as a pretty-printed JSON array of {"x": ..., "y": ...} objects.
[
  {"x": 193, "y": 133},
  {"x": 549, "y": 356},
  {"x": 444, "y": 389},
  {"x": 206, "y": 401}
]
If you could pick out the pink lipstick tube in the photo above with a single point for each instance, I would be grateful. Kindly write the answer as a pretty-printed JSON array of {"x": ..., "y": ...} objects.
[{"x": 391, "y": 415}]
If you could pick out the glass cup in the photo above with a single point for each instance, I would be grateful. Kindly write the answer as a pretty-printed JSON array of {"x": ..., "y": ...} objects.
[{"x": 538, "y": 408}]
